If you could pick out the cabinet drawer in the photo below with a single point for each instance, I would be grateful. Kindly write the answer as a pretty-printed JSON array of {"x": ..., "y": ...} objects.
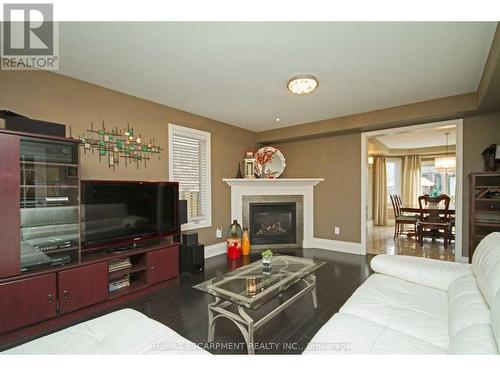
[
  {"x": 82, "y": 286},
  {"x": 27, "y": 302},
  {"x": 163, "y": 264}
]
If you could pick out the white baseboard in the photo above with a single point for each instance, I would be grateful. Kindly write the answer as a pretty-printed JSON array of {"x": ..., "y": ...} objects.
[
  {"x": 214, "y": 250},
  {"x": 316, "y": 243},
  {"x": 340, "y": 246},
  {"x": 369, "y": 224}
]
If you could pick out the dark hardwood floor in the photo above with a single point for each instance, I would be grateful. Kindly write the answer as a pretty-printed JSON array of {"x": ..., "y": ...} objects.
[{"x": 184, "y": 309}]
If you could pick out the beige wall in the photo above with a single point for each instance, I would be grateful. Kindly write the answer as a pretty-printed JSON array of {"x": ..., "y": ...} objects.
[
  {"x": 337, "y": 159},
  {"x": 479, "y": 133},
  {"x": 336, "y": 200},
  {"x": 56, "y": 98},
  {"x": 52, "y": 97}
]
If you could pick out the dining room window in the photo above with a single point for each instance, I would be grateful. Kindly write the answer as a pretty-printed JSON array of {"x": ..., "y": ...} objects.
[
  {"x": 393, "y": 177},
  {"x": 433, "y": 179}
]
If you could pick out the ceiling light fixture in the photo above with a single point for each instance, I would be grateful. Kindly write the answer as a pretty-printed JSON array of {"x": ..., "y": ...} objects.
[
  {"x": 302, "y": 84},
  {"x": 277, "y": 119},
  {"x": 447, "y": 163}
]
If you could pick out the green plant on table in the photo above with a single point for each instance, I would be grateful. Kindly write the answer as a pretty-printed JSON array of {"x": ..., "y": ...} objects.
[{"x": 267, "y": 254}]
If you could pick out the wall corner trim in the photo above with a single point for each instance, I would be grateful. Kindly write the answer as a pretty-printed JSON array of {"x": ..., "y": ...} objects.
[
  {"x": 215, "y": 249},
  {"x": 334, "y": 245}
]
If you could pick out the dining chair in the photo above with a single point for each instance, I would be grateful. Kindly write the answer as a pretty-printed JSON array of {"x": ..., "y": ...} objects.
[
  {"x": 434, "y": 220},
  {"x": 400, "y": 219}
]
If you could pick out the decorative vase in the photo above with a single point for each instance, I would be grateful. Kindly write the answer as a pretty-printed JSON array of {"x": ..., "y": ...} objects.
[
  {"x": 245, "y": 243},
  {"x": 235, "y": 229},
  {"x": 233, "y": 248},
  {"x": 238, "y": 174},
  {"x": 234, "y": 240}
]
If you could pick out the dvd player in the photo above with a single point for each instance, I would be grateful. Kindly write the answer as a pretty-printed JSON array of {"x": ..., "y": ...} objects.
[
  {"x": 53, "y": 245},
  {"x": 32, "y": 259}
]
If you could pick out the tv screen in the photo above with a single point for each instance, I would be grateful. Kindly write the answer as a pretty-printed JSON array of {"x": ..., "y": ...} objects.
[{"x": 127, "y": 212}]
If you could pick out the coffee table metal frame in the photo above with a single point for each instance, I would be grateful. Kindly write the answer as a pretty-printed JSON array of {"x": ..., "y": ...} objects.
[{"x": 245, "y": 323}]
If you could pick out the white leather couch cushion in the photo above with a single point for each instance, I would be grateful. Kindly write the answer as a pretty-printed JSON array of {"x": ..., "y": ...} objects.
[
  {"x": 122, "y": 332},
  {"x": 495, "y": 319},
  {"x": 486, "y": 268},
  {"x": 351, "y": 334},
  {"x": 418, "y": 305},
  {"x": 467, "y": 306},
  {"x": 469, "y": 319},
  {"x": 410, "y": 309},
  {"x": 423, "y": 271},
  {"x": 475, "y": 339}
]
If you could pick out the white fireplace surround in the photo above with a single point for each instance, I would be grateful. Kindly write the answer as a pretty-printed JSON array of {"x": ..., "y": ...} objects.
[{"x": 283, "y": 186}]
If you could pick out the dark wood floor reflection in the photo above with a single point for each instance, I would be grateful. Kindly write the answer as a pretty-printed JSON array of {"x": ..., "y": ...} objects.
[
  {"x": 381, "y": 241},
  {"x": 184, "y": 309}
]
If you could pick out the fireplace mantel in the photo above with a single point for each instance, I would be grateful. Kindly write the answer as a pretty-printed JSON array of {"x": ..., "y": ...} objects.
[
  {"x": 272, "y": 181},
  {"x": 276, "y": 187}
]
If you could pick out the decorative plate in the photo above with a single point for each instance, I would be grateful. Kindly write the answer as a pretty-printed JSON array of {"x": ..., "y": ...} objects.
[{"x": 269, "y": 162}]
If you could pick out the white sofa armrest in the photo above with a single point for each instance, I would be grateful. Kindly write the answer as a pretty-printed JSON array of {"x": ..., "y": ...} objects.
[{"x": 424, "y": 271}]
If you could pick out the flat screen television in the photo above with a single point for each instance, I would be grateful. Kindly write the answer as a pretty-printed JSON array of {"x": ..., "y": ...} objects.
[{"x": 123, "y": 213}]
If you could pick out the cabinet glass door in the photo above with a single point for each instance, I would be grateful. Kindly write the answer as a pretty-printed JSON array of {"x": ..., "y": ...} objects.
[{"x": 49, "y": 203}]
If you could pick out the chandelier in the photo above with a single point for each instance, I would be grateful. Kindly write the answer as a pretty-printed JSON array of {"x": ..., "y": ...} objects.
[{"x": 446, "y": 163}]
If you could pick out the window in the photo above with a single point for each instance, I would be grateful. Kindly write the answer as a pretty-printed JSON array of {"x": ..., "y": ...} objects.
[
  {"x": 438, "y": 180},
  {"x": 393, "y": 176},
  {"x": 189, "y": 165}
]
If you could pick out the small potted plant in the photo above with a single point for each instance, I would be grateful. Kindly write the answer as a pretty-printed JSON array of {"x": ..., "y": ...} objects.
[
  {"x": 434, "y": 198},
  {"x": 266, "y": 261}
]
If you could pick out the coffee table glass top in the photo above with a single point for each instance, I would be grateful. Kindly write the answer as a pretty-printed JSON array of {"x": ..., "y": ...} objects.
[{"x": 249, "y": 286}]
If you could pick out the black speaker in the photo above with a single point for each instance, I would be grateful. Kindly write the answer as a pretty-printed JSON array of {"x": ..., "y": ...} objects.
[
  {"x": 192, "y": 258},
  {"x": 190, "y": 238},
  {"x": 26, "y": 125},
  {"x": 183, "y": 211}
]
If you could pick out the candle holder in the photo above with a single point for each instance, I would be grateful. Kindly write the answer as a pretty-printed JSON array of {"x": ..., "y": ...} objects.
[
  {"x": 267, "y": 262},
  {"x": 251, "y": 286}
]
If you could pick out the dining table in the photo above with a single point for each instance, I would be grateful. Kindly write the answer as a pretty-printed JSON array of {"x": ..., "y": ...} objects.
[{"x": 417, "y": 210}]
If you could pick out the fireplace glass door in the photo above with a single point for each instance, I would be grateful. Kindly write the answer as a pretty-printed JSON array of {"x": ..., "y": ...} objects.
[{"x": 272, "y": 223}]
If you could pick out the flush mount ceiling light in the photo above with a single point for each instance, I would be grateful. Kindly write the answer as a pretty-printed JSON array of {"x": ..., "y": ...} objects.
[{"x": 302, "y": 84}]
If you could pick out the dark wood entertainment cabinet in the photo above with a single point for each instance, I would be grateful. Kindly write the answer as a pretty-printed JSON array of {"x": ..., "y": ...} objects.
[
  {"x": 34, "y": 302},
  {"x": 38, "y": 301}
]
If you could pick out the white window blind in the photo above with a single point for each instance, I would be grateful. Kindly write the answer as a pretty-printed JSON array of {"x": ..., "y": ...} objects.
[{"x": 189, "y": 164}]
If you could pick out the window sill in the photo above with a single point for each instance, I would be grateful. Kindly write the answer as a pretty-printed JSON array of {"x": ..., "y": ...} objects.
[{"x": 200, "y": 225}]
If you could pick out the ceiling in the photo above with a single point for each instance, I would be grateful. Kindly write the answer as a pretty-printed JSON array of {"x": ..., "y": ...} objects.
[
  {"x": 237, "y": 72},
  {"x": 420, "y": 138}
]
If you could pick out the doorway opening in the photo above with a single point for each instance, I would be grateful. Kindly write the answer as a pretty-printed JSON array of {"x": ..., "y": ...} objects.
[{"x": 399, "y": 167}]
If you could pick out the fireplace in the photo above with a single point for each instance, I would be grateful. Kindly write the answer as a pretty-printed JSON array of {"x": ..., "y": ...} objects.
[{"x": 273, "y": 223}]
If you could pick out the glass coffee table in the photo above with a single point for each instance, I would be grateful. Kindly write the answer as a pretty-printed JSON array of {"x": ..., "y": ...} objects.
[{"x": 249, "y": 287}]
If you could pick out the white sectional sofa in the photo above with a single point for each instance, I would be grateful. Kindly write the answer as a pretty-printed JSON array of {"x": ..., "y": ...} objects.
[
  {"x": 122, "y": 332},
  {"x": 416, "y": 305}
]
